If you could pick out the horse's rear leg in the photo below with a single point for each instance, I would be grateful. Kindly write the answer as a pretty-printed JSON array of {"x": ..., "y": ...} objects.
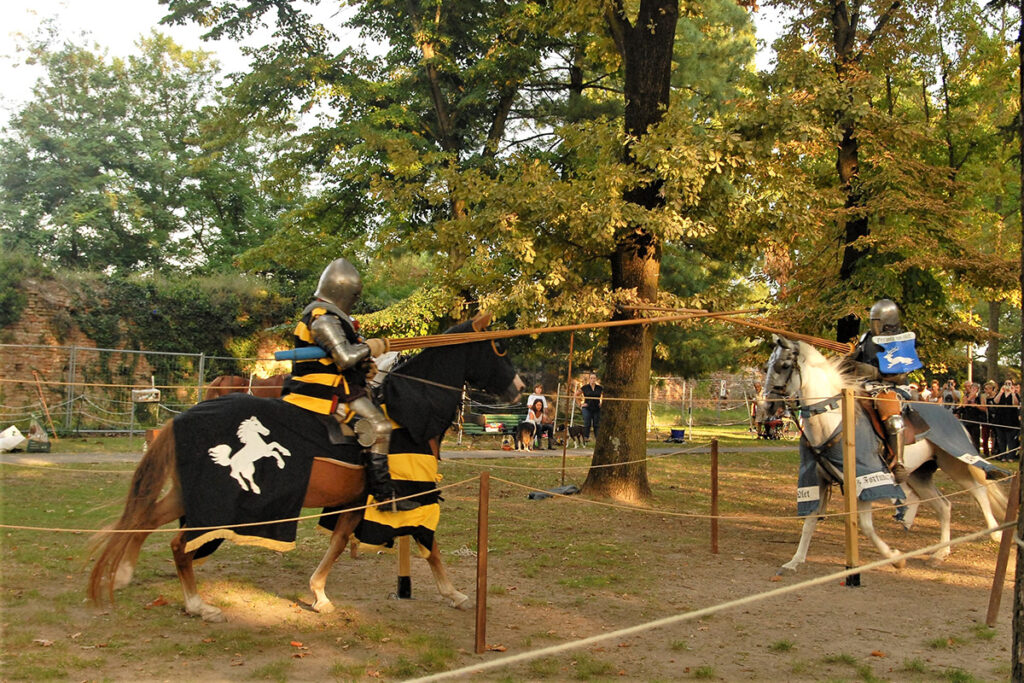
[
  {"x": 194, "y": 604},
  {"x": 455, "y": 598},
  {"x": 167, "y": 509},
  {"x": 973, "y": 480},
  {"x": 343, "y": 529},
  {"x": 810, "y": 522},
  {"x": 924, "y": 487}
]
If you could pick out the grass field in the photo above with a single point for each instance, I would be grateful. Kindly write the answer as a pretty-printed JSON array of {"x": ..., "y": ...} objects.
[{"x": 559, "y": 570}]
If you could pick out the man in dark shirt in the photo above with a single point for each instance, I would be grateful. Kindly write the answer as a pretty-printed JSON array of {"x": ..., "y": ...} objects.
[{"x": 591, "y": 404}]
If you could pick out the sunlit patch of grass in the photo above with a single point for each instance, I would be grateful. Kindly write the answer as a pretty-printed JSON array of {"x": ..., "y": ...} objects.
[
  {"x": 704, "y": 672},
  {"x": 589, "y": 581},
  {"x": 958, "y": 676},
  {"x": 375, "y": 633},
  {"x": 679, "y": 645},
  {"x": 983, "y": 632},
  {"x": 782, "y": 646},
  {"x": 545, "y": 667},
  {"x": 944, "y": 643},
  {"x": 915, "y": 665},
  {"x": 346, "y": 671},
  {"x": 272, "y": 671},
  {"x": 586, "y": 667}
]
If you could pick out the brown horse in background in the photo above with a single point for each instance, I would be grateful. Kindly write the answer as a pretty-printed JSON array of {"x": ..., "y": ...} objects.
[{"x": 269, "y": 387}]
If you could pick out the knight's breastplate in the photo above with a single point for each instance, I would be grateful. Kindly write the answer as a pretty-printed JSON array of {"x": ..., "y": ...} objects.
[{"x": 318, "y": 384}]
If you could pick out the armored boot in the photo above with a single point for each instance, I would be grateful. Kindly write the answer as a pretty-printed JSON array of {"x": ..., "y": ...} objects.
[
  {"x": 894, "y": 437},
  {"x": 379, "y": 484}
]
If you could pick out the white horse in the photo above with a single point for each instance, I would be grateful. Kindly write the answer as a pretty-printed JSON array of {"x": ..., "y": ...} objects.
[
  {"x": 250, "y": 432},
  {"x": 797, "y": 370}
]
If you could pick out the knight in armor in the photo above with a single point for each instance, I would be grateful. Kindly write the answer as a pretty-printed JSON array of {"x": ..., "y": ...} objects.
[
  {"x": 336, "y": 384},
  {"x": 882, "y": 358}
]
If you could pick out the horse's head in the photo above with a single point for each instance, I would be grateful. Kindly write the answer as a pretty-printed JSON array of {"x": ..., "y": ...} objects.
[
  {"x": 249, "y": 428},
  {"x": 782, "y": 373}
]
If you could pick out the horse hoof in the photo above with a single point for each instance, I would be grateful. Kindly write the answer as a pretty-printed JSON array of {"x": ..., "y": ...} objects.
[
  {"x": 791, "y": 566},
  {"x": 460, "y": 602},
  {"x": 214, "y": 617},
  {"x": 900, "y": 564},
  {"x": 938, "y": 558},
  {"x": 123, "y": 576},
  {"x": 323, "y": 607}
]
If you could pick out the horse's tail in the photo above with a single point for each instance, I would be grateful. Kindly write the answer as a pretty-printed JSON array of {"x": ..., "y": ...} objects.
[
  {"x": 996, "y": 495},
  {"x": 156, "y": 466}
]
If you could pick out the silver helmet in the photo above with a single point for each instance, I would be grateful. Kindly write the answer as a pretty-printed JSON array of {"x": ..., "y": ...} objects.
[
  {"x": 885, "y": 317},
  {"x": 340, "y": 284}
]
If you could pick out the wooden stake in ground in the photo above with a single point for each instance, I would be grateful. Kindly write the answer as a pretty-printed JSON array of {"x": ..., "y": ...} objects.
[
  {"x": 49, "y": 420},
  {"x": 996, "y": 596},
  {"x": 850, "y": 484},
  {"x": 483, "y": 507}
]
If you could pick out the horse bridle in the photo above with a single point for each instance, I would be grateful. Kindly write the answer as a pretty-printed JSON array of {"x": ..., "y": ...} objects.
[{"x": 804, "y": 411}]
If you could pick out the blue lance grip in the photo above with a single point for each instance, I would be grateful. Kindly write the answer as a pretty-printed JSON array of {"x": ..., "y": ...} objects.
[{"x": 305, "y": 353}]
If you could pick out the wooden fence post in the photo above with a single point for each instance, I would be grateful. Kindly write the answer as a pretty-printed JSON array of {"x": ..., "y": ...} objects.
[
  {"x": 481, "y": 563},
  {"x": 1005, "y": 541},
  {"x": 714, "y": 496},
  {"x": 850, "y": 484}
]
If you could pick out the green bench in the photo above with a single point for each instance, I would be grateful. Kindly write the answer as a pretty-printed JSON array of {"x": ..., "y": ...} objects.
[{"x": 497, "y": 424}]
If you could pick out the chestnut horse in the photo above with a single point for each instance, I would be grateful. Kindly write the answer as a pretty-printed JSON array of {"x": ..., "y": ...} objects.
[
  {"x": 422, "y": 394},
  {"x": 269, "y": 387}
]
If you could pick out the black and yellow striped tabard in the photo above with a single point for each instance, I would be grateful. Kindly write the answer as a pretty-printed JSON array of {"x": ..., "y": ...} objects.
[
  {"x": 413, "y": 471},
  {"x": 319, "y": 385}
]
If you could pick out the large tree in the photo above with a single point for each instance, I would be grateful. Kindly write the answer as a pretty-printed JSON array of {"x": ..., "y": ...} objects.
[{"x": 105, "y": 166}]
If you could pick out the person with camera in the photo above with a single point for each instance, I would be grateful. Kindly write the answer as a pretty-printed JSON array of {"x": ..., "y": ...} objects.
[{"x": 1005, "y": 416}]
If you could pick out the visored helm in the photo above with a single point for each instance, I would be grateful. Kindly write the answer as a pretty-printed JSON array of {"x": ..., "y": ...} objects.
[
  {"x": 885, "y": 317},
  {"x": 340, "y": 284}
]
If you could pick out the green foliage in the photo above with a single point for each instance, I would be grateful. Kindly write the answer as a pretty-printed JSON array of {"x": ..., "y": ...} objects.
[
  {"x": 214, "y": 315},
  {"x": 105, "y": 168},
  {"x": 15, "y": 267}
]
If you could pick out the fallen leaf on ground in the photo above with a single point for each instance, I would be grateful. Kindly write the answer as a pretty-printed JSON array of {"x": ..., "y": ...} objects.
[
  {"x": 877, "y": 653},
  {"x": 159, "y": 602},
  {"x": 775, "y": 577},
  {"x": 496, "y": 648},
  {"x": 296, "y": 643},
  {"x": 43, "y": 641}
]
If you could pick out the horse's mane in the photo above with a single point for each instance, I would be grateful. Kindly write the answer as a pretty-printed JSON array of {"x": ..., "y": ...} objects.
[
  {"x": 833, "y": 366},
  {"x": 427, "y": 408}
]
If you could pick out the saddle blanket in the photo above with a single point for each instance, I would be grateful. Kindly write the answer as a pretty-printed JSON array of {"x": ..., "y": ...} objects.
[
  {"x": 947, "y": 433},
  {"x": 244, "y": 460},
  {"x": 874, "y": 481}
]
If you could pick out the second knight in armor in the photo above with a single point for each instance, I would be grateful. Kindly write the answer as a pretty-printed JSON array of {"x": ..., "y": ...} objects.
[
  {"x": 336, "y": 385},
  {"x": 883, "y": 357}
]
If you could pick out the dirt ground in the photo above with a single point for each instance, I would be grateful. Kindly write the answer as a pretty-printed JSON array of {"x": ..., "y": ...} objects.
[{"x": 559, "y": 570}]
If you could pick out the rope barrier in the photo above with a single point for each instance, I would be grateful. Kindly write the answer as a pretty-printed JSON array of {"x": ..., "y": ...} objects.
[
  {"x": 300, "y": 518},
  {"x": 706, "y": 611}
]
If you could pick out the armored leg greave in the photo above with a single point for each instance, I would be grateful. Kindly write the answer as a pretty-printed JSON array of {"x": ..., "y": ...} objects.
[
  {"x": 894, "y": 436},
  {"x": 374, "y": 430}
]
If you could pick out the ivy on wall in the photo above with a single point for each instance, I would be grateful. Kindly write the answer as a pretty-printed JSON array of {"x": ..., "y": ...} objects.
[{"x": 215, "y": 316}]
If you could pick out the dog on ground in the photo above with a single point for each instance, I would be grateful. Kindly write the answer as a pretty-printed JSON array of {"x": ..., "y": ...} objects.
[
  {"x": 524, "y": 436},
  {"x": 573, "y": 433}
]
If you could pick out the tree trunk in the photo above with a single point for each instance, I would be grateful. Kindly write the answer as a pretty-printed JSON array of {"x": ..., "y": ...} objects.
[
  {"x": 1017, "y": 658},
  {"x": 619, "y": 468},
  {"x": 992, "y": 353}
]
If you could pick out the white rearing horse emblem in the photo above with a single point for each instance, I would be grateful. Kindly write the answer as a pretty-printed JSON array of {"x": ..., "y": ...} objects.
[{"x": 250, "y": 433}]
